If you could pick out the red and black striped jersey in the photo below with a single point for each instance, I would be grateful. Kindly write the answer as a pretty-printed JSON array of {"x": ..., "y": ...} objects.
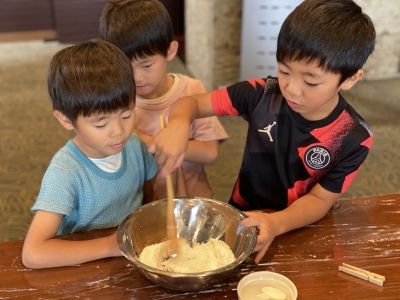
[{"x": 286, "y": 155}]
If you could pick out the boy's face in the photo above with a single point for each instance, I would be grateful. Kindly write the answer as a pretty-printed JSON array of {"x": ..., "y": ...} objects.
[
  {"x": 102, "y": 135},
  {"x": 309, "y": 89},
  {"x": 151, "y": 76},
  {"x": 150, "y": 73}
]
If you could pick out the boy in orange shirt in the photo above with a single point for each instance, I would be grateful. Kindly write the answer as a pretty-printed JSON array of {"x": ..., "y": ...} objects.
[{"x": 142, "y": 29}]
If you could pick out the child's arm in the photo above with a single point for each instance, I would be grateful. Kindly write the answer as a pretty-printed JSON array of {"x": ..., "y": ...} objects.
[
  {"x": 147, "y": 139},
  {"x": 170, "y": 144},
  {"x": 201, "y": 152},
  {"x": 42, "y": 250},
  {"x": 302, "y": 212}
]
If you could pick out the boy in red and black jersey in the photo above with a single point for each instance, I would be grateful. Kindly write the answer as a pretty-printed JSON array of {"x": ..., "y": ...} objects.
[
  {"x": 286, "y": 154},
  {"x": 305, "y": 143}
]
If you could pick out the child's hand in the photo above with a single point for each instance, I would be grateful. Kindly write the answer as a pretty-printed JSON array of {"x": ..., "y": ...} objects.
[
  {"x": 169, "y": 146},
  {"x": 304, "y": 211},
  {"x": 265, "y": 224}
]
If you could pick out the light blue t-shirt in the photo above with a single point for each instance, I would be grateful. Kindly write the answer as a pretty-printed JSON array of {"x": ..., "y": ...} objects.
[{"x": 90, "y": 198}]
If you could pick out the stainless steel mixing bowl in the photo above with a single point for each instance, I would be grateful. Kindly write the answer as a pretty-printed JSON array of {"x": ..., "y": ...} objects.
[{"x": 198, "y": 220}]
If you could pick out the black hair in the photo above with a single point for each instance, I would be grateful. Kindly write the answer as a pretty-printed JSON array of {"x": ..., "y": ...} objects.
[
  {"x": 336, "y": 34},
  {"x": 93, "y": 77},
  {"x": 140, "y": 28}
]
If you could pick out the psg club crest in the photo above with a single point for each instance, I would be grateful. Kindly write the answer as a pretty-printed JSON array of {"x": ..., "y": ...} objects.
[{"x": 317, "y": 157}]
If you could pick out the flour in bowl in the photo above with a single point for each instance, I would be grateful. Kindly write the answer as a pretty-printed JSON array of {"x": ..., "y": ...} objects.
[{"x": 200, "y": 258}]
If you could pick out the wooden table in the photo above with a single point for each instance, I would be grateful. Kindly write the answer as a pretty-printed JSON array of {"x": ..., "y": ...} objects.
[{"x": 363, "y": 232}]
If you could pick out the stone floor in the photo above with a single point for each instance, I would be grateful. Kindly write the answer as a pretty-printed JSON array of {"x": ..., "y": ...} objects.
[{"x": 30, "y": 135}]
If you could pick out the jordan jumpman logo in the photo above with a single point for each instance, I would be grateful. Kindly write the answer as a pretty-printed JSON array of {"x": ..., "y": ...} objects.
[{"x": 267, "y": 130}]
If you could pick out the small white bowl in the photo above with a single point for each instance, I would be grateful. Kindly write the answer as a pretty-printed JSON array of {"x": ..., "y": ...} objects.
[{"x": 251, "y": 285}]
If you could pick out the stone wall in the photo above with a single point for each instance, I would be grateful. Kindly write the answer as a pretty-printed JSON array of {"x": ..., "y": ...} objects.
[
  {"x": 212, "y": 34},
  {"x": 213, "y": 31},
  {"x": 384, "y": 62}
]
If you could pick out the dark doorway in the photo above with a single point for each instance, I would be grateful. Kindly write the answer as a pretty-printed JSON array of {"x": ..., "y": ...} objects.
[
  {"x": 76, "y": 21},
  {"x": 176, "y": 10}
]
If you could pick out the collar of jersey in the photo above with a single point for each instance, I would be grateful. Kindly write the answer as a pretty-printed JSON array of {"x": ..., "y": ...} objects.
[{"x": 320, "y": 123}]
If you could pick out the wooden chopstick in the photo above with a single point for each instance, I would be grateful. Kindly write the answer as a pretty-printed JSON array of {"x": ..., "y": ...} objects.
[
  {"x": 370, "y": 274},
  {"x": 362, "y": 274},
  {"x": 354, "y": 273}
]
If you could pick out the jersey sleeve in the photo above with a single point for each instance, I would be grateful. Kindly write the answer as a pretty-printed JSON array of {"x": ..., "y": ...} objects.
[
  {"x": 58, "y": 191},
  {"x": 238, "y": 99}
]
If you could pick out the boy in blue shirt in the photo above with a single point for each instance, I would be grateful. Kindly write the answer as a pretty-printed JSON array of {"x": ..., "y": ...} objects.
[
  {"x": 305, "y": 143},
  {"x": 103, "y": 173}
]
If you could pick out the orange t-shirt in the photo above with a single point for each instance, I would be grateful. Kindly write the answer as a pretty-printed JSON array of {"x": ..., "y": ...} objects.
[{"x": 190, "y": 179}]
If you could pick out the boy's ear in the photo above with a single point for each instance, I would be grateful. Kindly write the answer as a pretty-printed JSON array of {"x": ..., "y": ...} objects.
[
  {"x": 63, "y": 120},
  {"x": 172, "y": 50},
  {"x": 352, "y": 80}
]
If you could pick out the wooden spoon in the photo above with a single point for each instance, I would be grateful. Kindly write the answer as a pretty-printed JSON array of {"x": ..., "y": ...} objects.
[{"x": 173, "y": 243}]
